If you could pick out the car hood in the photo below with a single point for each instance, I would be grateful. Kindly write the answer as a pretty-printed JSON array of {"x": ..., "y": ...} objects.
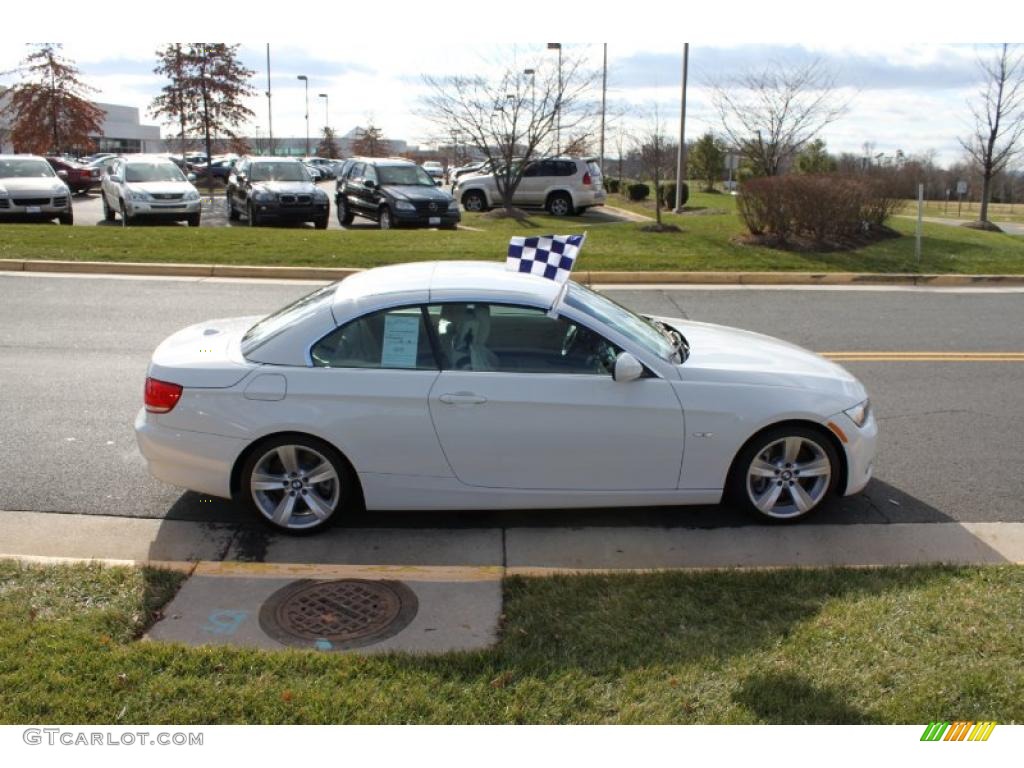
[
  {"x": 17, "y": 186},
  {"x": 418, "y": 192},
  {"x": 160, "y": 187},
  {"x": 733, "y": 355},
  {"x": 286, "y": 187}
]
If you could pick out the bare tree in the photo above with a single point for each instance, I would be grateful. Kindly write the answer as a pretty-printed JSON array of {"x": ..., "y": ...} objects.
[
  {"x": 511, "y": 118},
  {"x": 370, "y": 142},
  {"x": 998, "y": 119},
  {"x": 771, "y": 113},
  {"x": 657, "y": 153}
]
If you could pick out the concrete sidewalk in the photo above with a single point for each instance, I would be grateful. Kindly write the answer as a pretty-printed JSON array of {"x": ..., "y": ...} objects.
[{"x": 428, "y": 590}]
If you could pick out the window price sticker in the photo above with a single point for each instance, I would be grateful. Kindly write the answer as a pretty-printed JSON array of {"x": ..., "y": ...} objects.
[{"x": 401, "y": 341}]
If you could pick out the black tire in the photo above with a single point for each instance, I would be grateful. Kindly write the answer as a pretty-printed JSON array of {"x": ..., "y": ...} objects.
[
  {"x": 384, "y": 218},
  {"x": 124, "y": 215},
  {"x": 337, "y": 495},
  {"x": 254, "y": 219},
  {"x": 67, "y": 218},
  {"x": 108, "y": 212},
  {"x": 194, "y": 219},
  {"x": 474, "y": 202},
  {"x": 560, "y": 204},
  {"x": 232, "y": 211},
  {"x": 783, "y": 478},
  {"x": 321, "y": 223},
  {"x": 345, "y": 215}
]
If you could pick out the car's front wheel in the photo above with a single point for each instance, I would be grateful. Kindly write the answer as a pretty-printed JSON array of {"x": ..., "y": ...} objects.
[
  {"x": 785, "y": 473},
  {"x": 297, "y": 483},
  {"x": 108, "y": 212},
  {"x": 345, "y": 215},
  {"x": 384, "y": 218}
]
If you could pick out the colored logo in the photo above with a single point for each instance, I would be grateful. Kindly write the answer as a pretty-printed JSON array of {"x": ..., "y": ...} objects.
[{"x": 959, "y": 730}]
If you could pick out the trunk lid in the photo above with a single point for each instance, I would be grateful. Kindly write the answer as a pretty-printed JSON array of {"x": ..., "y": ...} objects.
[{"x": 205, "y": 355}]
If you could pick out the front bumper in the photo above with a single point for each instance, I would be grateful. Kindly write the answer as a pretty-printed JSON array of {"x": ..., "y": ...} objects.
[
  {"x": 170, "y": 209},
  {"x": 311, "y": 212},
  {"x": 194, "y": 460},
  {"x": 443, "y": 218},
  {"x": 860, "y": 445},
  {"x": 44, "y": 208}
]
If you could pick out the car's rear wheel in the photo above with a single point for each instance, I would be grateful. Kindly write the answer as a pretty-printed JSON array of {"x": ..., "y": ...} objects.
[
  {"x": 560, "y": 204},
  {"x": 384, "y": 218},
  {"x": 474, "y": 202},
  {"x": 785, "y": 473},
  {"x": 345, "y": 215},
  {"x": 297, "y": 483}
]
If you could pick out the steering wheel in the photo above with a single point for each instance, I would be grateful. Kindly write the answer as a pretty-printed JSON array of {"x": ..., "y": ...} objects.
[{"x": 571, "y": 337}]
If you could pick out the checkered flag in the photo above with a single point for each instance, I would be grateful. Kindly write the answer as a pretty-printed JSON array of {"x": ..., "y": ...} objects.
[{"x": 550, "y": 256}]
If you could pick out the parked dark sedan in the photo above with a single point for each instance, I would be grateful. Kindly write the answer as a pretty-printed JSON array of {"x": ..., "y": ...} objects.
[
  {"x": 79, "y": 178},
  {"x": 265, "y": 189},
  {"x": 393, "y": 193}
]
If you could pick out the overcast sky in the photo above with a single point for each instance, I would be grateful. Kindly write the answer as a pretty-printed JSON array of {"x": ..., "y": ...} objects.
[{"x": 909, "y": 97}]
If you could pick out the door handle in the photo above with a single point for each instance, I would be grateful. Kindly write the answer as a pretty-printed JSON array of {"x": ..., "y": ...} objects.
[{"x": 462, "y": 398}]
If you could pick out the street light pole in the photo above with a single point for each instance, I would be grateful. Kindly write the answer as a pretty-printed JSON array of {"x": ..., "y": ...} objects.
[
  {"x": 306, "y": 81},
  {"x": 604, "y": 89},
  {"x": 270, "y": 111},
  {"x": 681, "y": 157},
  {"x": 558, "y": 99},
  {"x": 327, "y": 119}
]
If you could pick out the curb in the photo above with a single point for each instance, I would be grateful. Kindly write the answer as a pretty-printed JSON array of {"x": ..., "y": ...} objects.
[{"x": 590, "y": 278}]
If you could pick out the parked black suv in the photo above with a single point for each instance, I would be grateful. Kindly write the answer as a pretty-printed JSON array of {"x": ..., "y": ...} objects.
[
  {"x": 392, "y": 193},
  {"x": 275, "y": 189}
]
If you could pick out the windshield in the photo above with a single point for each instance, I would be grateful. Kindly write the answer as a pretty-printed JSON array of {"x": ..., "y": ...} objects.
[
  {"x": 278, "y": 172},
  {"x": 20, "y": 169},
  {"x": 404, "y": 175},
  {"x": 271, "y": 325},
  {"x": 629, "y": 324},
  {"x": 134, "y": 172}
]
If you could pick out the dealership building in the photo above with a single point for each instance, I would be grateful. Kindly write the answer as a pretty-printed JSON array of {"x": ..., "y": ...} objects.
[{"x": 122, "y": 131}]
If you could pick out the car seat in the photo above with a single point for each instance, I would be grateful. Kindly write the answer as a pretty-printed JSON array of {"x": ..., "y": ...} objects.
[{"x": 469, "y": 328}]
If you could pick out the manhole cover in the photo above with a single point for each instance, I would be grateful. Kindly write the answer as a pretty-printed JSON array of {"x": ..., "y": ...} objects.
[{"x": 335, "y": 615}]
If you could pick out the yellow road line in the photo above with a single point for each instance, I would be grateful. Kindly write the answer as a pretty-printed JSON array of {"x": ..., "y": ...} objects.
[{"x": 927, "y": 357}]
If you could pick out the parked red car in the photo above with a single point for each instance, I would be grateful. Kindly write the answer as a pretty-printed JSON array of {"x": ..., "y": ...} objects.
[{"x": 80, "y": 178}]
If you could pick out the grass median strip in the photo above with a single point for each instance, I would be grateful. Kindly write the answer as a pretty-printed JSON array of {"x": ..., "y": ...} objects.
[
  {"x": 706, "y": 244},
  {"x": 849, "y": 646}
]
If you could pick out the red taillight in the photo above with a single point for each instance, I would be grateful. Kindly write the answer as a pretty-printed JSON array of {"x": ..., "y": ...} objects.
[
  {"x": 586, "y": 179},
  {"x": 161, "y": 396}
]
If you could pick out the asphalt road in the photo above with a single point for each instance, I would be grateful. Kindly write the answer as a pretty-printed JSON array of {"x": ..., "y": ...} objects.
[{"x": 74, "y": 350}]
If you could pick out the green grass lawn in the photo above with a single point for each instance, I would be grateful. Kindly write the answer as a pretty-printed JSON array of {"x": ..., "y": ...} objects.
[
  {"x": 706, "y": 244},
  {"x": 841, "y": 646}
]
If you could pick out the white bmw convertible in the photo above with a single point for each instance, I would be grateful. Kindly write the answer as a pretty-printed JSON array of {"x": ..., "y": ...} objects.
[{"x": 460, "y": 385}]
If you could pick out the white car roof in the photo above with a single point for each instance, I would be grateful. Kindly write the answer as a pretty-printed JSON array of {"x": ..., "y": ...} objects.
[{"x": 440, "y": 281}]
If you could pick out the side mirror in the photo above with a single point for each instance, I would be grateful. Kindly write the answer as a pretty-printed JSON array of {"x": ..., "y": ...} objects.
[
  {"x": 627, "y": 368},
  {"x": 191, "y": 177},
  {"x": 369, "y": 183},
  {"x": 62, "y": 174}
]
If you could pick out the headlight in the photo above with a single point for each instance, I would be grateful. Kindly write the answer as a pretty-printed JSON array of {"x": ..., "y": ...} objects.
[
  {"x": 453, "y": 205},
  {"x": 320, "y": 195},
  {"x": 133, "y": 195},
  {"x": 859, "y": 413},
  {"x": 263, "y": 196},
  {"x": 404, "y": 205},
  {"x": 192, "y": 195}
]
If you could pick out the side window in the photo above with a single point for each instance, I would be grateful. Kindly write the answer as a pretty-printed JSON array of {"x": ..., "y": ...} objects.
[
  {"x": 391, "y": 338},
  {"x": 532, "y": 170},
  {"x": 356, "y": 171},
  {"x": 515, "y": 339},
  {"x": 548, "y": 168},
  {"x": 371, "y": 173},
  {"x": 566, "y": 168}
]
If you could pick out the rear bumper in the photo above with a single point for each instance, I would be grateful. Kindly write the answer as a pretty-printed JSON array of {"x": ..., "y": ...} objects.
[{"x": 194, "y": 460}]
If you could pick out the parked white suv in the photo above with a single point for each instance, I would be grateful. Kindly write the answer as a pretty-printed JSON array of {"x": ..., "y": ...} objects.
[
  {"x": 31, "y": 189},
  {"x": 564, "y": 186},
  {"x": 148, "y": 186}
]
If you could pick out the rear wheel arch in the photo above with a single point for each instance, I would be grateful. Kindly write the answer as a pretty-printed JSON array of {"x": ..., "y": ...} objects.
[{"x": 257, "y": 444}]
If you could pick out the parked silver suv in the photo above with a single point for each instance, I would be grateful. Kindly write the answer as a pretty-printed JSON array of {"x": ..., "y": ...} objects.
[
  {"x": 149, "y": 187},
  {"x": 30, "y": 189},
  {"x": 564, "y": 186}
]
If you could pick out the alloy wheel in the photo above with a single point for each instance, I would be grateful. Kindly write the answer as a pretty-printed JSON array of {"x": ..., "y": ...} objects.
[
  {"x": 789, "y": 477},
  {"x": 295, "y": 487}
]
